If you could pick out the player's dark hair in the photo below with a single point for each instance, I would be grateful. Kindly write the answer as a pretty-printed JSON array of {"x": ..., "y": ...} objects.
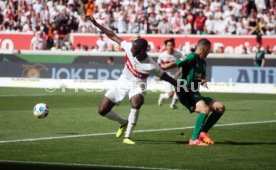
[
  {"x": 203, "y": 43},
  {"x": 169, "y": 40},
  {"x": 142, "y": 44}
]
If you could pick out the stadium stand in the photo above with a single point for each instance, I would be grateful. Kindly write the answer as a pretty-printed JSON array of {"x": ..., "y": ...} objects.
[{"x": 56, "y": 19}]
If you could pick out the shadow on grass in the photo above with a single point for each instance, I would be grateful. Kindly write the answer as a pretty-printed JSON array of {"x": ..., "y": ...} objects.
[
  {"x": 217, "y": 143},
  {"x": 160, "y": 142},
  {"x": 54, "y": 166},
  {"x": 245, "y": 143}
]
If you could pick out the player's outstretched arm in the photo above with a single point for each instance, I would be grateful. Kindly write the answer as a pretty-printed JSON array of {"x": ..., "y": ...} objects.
[
  {"x": 108, "y": 32},
  {"x": 169, "y": 79},
  {"x": 169, "y": 65},
  {"x": 263, "y": 62}
]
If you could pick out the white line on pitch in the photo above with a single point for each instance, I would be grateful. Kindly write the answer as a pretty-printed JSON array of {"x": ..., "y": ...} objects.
[
  {"x": 76, "y": 165},
  {"x": 27, "y": 95},
  {"x": 137, "y": 131}
]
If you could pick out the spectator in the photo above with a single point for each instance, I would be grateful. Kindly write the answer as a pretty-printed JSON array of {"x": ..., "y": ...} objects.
[
  {"x": 175, "y": 23},
  {"x": 185, "y": 27},
  {"x": 153, "y": 23},
  {"x": 101, "y": 43},
  {"x": 110, "y": 61},
  {"x": 37, "y": 7},
  {"x": 78, "y": 48},
  {"x": 82, "y": 26},
  {"x": 199, "y": 23},
  {"x": 267, "y": 50},
  {"x": 163, "y": 26},
  {"x": 252, "y": 22},
  {"x": 209, "y": 24},
  {"x": 38, "y": 42},
  {"x": 191, "y": 18},
  {"x": 56, "y": 47},
  {"x": 49, "y": 42},
  {"x": 89, "y": 7},
  {"x": 241, "y": 30},
  {"x": 122, "y": 23},
  {"x": 222, "y": 17},
  {"x": 94, "y": 49}
]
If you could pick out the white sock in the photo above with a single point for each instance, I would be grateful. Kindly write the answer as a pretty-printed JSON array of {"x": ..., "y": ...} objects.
[
  {"x": 132, "y": 120},
  {"x": 175, "y": 99},
  {"x": 165, "y": 96},
  {"x": 114, "y": 116}
]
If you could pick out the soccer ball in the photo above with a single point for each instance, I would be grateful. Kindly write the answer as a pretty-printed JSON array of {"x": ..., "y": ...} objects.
[{"x": 41, "y": 110}]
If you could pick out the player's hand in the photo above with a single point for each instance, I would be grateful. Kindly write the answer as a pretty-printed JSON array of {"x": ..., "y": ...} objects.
[
  {"x": 166, "y": 66},
  {"x": 178, "y": 73},
  {"x": 91, "y": 18},
  {"x": 204, "y": 83}
]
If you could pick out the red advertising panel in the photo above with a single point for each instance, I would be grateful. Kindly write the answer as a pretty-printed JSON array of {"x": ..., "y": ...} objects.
[
  {"x": 230, "y": 44},
  {"x": 15, "y": 41}
]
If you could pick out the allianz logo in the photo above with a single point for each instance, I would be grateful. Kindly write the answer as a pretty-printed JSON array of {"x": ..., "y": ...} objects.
[{"x": 256, "y": 76}]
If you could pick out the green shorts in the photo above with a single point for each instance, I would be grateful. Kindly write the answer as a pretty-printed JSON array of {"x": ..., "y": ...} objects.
[{"x": 189, "y": 99}]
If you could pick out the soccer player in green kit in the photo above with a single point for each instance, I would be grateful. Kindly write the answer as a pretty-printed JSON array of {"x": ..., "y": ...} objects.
[{"x": 193, "y": 75}]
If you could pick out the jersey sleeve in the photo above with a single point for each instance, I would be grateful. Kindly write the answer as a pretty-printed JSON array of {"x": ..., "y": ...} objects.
[
  {"x": 178, "y": 54},
  {"x": 263, "y": 55},
  {"x": 126, "y": 45},
  {"x": 156, "y": 71},
  {"x": 159, "y": 59},
  {"x": 185, "y": 60}
]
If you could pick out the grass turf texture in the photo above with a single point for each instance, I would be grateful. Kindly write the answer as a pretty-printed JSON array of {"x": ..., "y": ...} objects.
[{"x": 251, "y": 146}]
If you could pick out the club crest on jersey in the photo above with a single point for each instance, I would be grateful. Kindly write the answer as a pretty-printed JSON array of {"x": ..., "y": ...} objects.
[{"x": 183, "y": 58}]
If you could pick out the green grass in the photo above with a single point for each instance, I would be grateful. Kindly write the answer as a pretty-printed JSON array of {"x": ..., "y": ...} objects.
[{"x": 251, "y": 146}]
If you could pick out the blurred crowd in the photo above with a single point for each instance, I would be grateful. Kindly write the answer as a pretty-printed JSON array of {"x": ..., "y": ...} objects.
[{"x": 53, "y": 20}]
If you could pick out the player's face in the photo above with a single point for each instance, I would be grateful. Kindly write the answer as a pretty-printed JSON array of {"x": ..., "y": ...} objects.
[
  {"x": 170, "y": 47},
  {"x": 137, "y": 52},
  {"x": 205, "y": 51},
  {"x": 135, "y": 49}
]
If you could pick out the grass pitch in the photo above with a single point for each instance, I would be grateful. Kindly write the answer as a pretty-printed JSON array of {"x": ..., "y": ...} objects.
[{"x": 74, "y": 136}]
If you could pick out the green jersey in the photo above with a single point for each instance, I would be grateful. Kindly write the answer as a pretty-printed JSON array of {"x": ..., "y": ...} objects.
[
  {"x": 193, "y": 70},
  {"x": 260, "y": 55}
]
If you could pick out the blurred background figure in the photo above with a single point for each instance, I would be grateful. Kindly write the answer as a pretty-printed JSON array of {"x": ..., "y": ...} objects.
[
  {"x": 110, "y": 61},
  {"x": 38, "y": 42},
  {"x": 259, "y": 59},
  {"x": 170, "y": 54},
  {"x": 101, "y": 43}
]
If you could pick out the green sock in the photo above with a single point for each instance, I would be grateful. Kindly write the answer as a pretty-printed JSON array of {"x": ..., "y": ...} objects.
[
  {"x": 212, "y": 119},
  {"x": 198, "y": 125}
]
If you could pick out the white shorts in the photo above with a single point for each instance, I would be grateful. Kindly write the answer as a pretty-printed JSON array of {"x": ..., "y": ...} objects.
[
  {"x": 124, "y": 87},
  {"x": 168, "y": 87}
]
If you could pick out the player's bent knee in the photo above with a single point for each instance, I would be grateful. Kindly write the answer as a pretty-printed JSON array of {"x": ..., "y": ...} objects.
[
  {"x": 102, "y": 112},
  {"x": 171, "y": 94},
  {"x": 137, "y": 105},
  {"x": 205, "y": 110},
  {"x": 222, "y": 109}
]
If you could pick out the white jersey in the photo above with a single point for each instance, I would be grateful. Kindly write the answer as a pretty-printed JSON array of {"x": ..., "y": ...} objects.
[
  {"x": 138, "y": 71},
  {"x": 164, "y": 58},
  {"x": 37, "y": 43}
]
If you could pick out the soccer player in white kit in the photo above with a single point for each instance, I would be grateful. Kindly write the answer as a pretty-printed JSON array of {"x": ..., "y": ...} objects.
[
  {"x": 132, "y": 82},
  {"x": 166, "y": 57}
]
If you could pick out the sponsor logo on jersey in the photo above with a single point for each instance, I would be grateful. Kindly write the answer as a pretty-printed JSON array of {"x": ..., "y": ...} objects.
[{"x": 183, "y": 58}]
